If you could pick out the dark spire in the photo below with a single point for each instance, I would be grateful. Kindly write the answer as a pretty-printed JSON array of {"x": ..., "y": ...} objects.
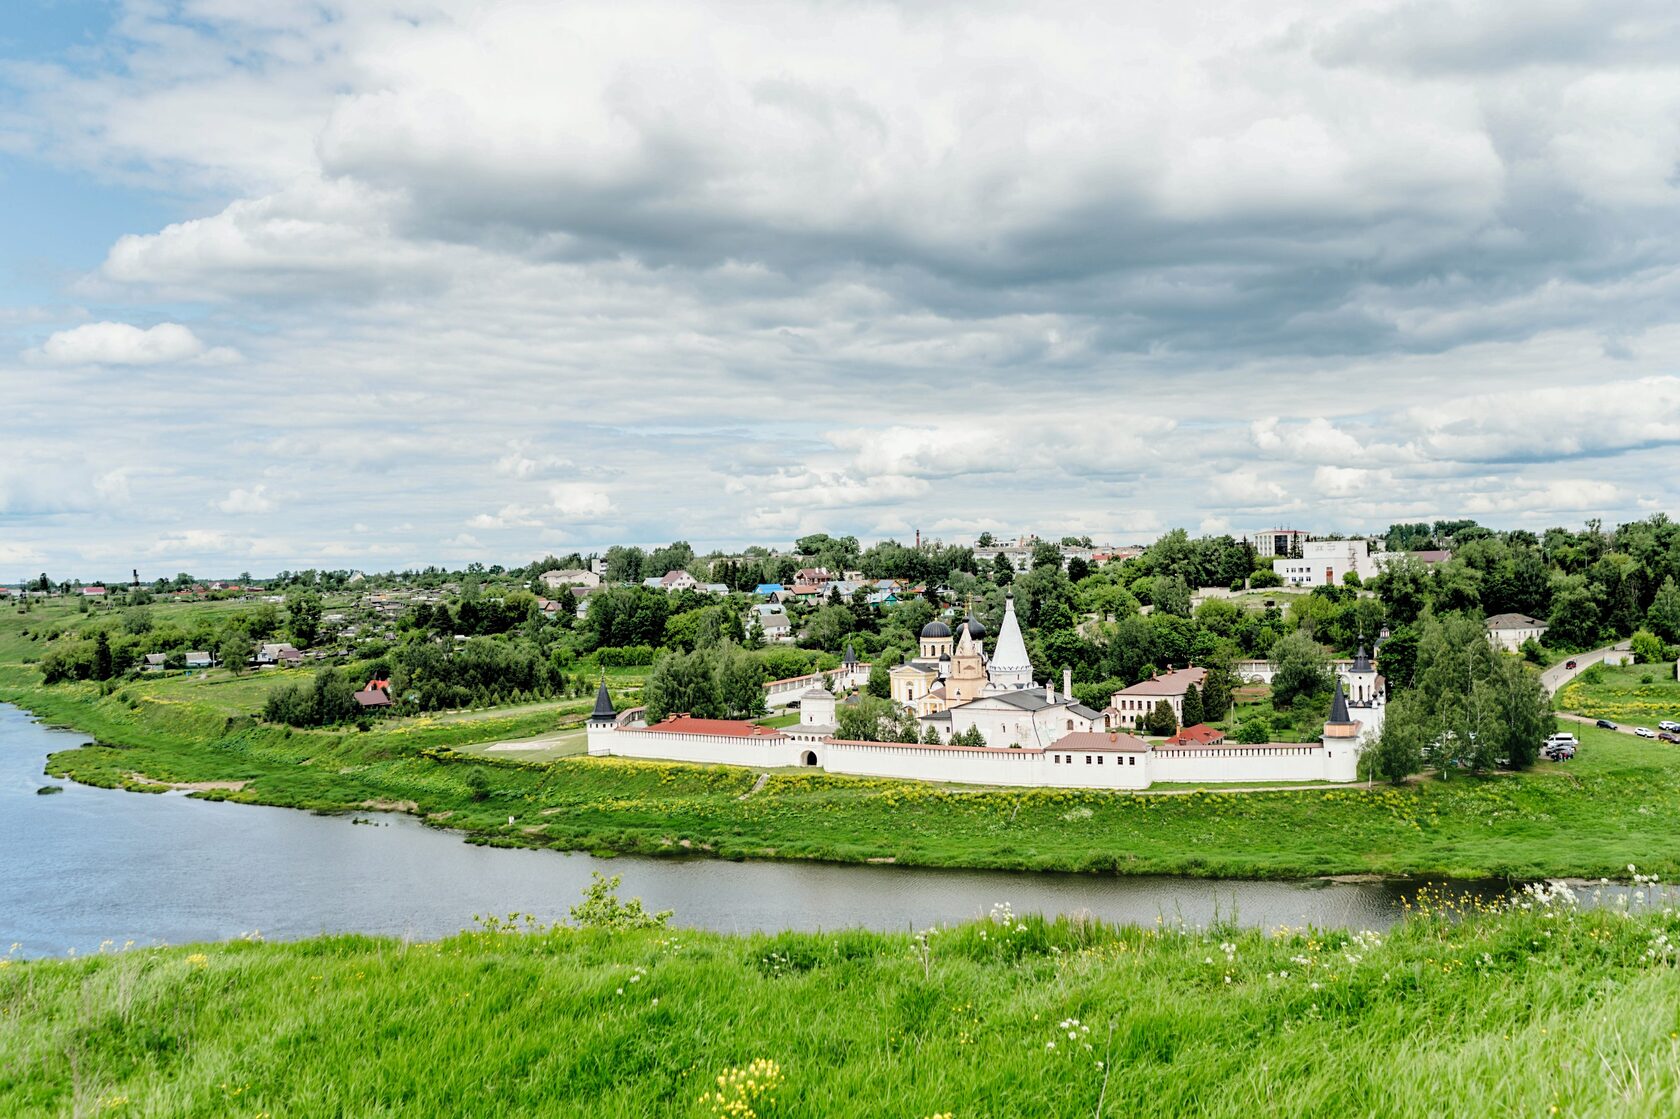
[
  {"x": 603, "y": 704},
  {"x": 851, "y": 657},
  {"x": 1338, "y": 706},
  {"x": 1361, "y": 662}
]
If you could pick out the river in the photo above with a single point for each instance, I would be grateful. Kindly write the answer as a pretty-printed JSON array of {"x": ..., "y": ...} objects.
[{"x": 89, "y": 866}]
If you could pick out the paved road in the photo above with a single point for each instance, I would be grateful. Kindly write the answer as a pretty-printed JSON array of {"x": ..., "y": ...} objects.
[
  {"x": 1557, "y": 676},
  {"x": 1589, "y": 721}
]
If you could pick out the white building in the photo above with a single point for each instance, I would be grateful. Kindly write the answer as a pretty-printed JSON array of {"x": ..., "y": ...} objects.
[
  {"x": 1325, "y": 563},
  {"x": 571, "y": 577},
  {"x": 1131, "y": 706},
  {"x": 1509, "y": 631},
  {"x": 1276, "y": 542}
]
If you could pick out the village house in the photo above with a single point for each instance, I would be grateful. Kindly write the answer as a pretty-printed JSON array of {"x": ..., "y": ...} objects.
[
  {"x": 1509, "y": 631},
  {"x": 1131, "y": 706},
  {"x": 671, "y": 581},
  {"x": 199, "y": 658}
]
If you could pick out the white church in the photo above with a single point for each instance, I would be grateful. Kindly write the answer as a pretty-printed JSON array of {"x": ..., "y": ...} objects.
[{"x": 1033, "y": 734}]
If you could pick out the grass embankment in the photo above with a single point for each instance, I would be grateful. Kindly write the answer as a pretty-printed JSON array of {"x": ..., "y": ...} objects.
[
  {"x": 1615, "y": 804},
  {"x": 1538, "y": 1012}
]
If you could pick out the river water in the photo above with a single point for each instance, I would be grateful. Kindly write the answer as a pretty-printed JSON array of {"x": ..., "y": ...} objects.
[{"x": 89, "y": 866}]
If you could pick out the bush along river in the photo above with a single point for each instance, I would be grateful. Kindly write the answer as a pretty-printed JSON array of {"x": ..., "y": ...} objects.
[{"x": 91, "y": 868}]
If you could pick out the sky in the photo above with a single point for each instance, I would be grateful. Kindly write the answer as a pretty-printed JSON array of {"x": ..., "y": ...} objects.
[{"x": 345, "y": 284}]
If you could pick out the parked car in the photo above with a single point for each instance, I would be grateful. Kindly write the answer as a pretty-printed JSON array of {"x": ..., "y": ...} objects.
[
  {"x": 1606, "y": 724},
  {"x": 1668, "y": 736},
  {"x": 1570, "y": 665},
  {"x": 1669, "y": 724},
  {"x": 1557, "y": 751},
  {"x": 1563, "y": 737},
  {"x": 1644, "y": 732}
]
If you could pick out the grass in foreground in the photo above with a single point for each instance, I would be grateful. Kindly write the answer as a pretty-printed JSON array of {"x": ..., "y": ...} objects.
[{"x": 1535, "y": 1011}]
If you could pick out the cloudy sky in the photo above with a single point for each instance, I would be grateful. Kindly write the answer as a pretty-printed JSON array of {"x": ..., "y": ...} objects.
[{"x": 371, "y": 283}]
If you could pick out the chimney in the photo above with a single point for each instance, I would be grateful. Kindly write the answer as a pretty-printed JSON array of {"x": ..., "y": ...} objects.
[
  {"x": 1067, "y": 682},
  {"x": 1049, "y": 692}
]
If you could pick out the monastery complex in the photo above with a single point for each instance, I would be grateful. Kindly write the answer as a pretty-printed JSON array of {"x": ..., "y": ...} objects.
[{"x": 1034, "y": 734}]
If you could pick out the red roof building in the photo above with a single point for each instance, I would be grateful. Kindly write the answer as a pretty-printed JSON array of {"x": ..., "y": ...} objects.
[
  {"x": 716, "y": 728},
  {"x": 1196, "y": 737}
]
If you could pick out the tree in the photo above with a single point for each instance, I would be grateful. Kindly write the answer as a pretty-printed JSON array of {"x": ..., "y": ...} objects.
[
  {"x": 969, "y": 737},
  {"x": 869, "y": 719},
  {"x": 1399, "y": 751},
  {"x": 684, "y": 683},
  {"x": 1647, "y": 647},
  {"x": 137, "y": 620},
  {"x": 984, "y": 540},
  {"x": 740, "y": 683},
  {"x": 1664, "y": 616},
  {"x": 1574, "y": 618},
  {"x": 1216, "y": 692},
  {"x": 1254, "y": 731},
  {"x": 1299, "y": 667},
  {"x": 1171, "y": 595},
  {"x": 1192, "y": 706},
  {"x": 103, "y": 663},
  {"x": 930, "y": 737},
  {"x": 233, "y": 651},
  {"x": 1003, "y": 572},
  {"x": 303, "y": 617},
  {"x": 880, "y": 678},
  {"x": 1161, "y": 720}
]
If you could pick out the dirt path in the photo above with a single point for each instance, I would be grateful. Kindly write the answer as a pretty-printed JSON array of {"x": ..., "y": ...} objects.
[
  {"x": 186, "y": 786},
  {"x": 763, "y": 779}
]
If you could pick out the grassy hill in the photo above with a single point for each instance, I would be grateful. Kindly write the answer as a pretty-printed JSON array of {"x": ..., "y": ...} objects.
[{"x": 1528, "y": 1012}]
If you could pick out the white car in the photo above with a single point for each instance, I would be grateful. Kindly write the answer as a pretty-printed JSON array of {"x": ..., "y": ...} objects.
[
  {"x": 1669, "y": 725},
  {"x": 1644, "y": 732}
]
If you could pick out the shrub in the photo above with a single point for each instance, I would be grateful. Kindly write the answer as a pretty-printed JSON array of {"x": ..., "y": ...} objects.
[{"x": 601, "y": 909}]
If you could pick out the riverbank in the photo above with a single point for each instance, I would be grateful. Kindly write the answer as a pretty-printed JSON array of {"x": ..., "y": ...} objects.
[
  {"x": 1589, "y": 817},
  {"x": 1569, "y": 1013}
]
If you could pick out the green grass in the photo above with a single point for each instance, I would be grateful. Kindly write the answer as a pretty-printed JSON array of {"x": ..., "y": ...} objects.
[
  {"x": 1623, "y": 696},
  {"x": 1615, "y": 804},
  {"x": 1519, "y": 1013},
  {"x": 787, "y": 719}
]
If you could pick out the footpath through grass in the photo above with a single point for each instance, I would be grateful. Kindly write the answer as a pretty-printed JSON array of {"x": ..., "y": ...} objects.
[
  {"x": 1545, "y": 1011},
  {"x": 1617, "y": 803}
]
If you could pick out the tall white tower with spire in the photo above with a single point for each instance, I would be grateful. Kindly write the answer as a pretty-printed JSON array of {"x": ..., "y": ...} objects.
[{"x": 1009, "y": 667}]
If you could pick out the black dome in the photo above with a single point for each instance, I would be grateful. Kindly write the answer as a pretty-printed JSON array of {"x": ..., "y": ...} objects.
[
  {"x": 975, "y": 629},
  {"x": 936, "y": 628}
]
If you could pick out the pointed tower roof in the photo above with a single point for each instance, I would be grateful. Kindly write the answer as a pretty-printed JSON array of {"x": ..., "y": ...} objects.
[
  {"x": 1361, "y": 662},
  {"x": 603, "y": 703},
  {"x": 1338, "y": 707},
  {"x": 1010, "y": 665},
  {"x": 851, "y": 657}
]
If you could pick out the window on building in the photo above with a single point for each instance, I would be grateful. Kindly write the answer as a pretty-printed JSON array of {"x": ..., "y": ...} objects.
[{"x": 1087, "y": 759}]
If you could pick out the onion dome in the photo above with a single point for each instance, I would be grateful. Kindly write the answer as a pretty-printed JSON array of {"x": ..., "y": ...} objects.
[{"x": 936, "y": 628}]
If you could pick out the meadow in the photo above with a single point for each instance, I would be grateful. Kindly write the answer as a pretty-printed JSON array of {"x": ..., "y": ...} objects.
[
  {"x": 1541, "y": 1009},
  {"x": 1635, "y": 694},
  {"x": 1613, "y": 805}
]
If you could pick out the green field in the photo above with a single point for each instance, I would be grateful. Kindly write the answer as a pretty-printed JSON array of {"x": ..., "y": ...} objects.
[
  {"x": 1615, "y": 804},
  {"x": 1623, "y": 696},
  {"x": 1527, "y": 1012}
]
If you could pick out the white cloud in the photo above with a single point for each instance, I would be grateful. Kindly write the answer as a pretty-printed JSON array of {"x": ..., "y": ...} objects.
[
  {"x": 252, "y": 500},
  {"x": 1246, "y": 487},
  {"x": 508, "y": 516},
  {"x": 116, "y": 343},
  {"x": 120, "y": 343},
  {"x": 575, "y": 501}
]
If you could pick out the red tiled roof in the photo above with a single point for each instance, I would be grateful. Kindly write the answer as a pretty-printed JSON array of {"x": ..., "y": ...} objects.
[
  {"x": 1176, "y": 682},
  {"x": 717, "y": 728},
  {"x": 1109, "y": 741},
  {"x": 1199, "y": 735}
]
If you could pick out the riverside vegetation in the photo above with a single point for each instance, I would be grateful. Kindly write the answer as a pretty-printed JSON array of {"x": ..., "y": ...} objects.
[
  {"x": 1529, "y": 1007},
  {"x": 1611, "y": 806}
]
